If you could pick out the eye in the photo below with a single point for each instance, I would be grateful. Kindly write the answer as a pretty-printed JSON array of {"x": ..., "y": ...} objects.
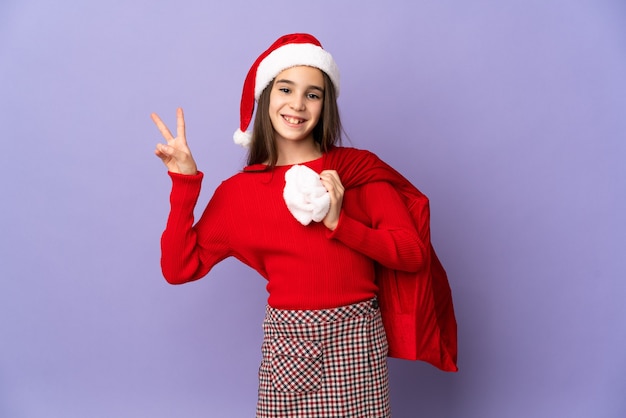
[
  {"x": 284, "y": 90},
  {"x": 313, "y": 96}
]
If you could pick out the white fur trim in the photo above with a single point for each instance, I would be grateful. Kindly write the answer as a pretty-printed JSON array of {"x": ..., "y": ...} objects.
[
  {"x": 242, "y": 138},
  {"x": 292, "y": 55},
  {"x": 306, "y": 197}
]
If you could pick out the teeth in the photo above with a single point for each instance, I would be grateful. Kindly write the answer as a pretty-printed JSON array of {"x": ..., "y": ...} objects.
[{"x": 293, "y": 120}]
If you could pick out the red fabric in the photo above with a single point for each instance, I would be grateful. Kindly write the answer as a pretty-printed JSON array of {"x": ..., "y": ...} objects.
[
  {"x": 417, "y": 308},
  {"x": 248, "y": 219},
  {"x": 300, "y": 262}
]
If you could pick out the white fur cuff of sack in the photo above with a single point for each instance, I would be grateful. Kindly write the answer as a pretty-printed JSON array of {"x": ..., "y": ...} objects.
[{"x": 306, "y": 197}]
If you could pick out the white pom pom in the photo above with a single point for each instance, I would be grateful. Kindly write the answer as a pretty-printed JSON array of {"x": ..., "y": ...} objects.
[
  {"x": 306, "y": 197},
  {"x": 242, "y": 138}
]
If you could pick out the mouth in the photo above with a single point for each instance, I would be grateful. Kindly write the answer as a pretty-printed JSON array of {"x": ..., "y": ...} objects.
[{"x": 293, "y": 120}]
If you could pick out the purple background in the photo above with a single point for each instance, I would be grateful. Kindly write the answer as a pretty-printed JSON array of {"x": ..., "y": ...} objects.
[{"x": 510, "y": 115}]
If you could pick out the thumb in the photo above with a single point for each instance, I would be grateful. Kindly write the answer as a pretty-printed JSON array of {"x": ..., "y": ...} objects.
[
  {"x": 165, "y": 153},
  {"x": 165, "y": 149},
  {"x": 168, "y": 152},
  {"x": 176, "y": 160}
]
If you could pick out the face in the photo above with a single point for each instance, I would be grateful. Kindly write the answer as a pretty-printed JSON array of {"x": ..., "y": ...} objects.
[{"x": 296, "y": 101}]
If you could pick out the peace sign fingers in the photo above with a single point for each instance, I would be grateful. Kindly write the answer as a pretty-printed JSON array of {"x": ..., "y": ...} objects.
[
  {"x": 176, "y": 155},
  {"x": 180, "y": 126}
]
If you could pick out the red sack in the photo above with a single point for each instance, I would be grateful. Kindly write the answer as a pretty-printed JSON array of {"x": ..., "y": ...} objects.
[{"x": 416, "y": 308}]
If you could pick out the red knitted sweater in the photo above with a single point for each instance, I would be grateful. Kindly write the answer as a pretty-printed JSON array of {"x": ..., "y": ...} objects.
[{"x": 306, "y": 267}]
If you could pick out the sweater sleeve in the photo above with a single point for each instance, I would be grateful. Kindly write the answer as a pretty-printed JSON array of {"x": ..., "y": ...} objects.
[
  {"x": 392, "y": 239},
  {"x": 188, "y": 252}
]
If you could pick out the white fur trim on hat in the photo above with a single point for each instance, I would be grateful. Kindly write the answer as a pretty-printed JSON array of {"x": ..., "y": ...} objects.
[{"x": 292, "y": 55}]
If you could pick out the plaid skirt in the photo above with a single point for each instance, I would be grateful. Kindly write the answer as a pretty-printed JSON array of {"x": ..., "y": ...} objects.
[{"x": 324, "y": 363}]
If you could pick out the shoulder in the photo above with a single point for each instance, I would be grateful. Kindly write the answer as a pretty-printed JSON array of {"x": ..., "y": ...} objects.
[
  {"x": 249, "y": 180},
  {"x": 237, "y": 180}
]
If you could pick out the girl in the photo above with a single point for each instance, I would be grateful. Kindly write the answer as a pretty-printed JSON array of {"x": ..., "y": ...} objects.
[{"x": 321, "y": 223}]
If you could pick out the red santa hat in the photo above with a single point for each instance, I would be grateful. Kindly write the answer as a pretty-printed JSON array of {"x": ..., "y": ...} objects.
[{"x": 288, "y": 51}]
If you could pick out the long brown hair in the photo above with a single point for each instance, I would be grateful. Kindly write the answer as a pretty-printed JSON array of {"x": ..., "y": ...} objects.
[{"x": 327, "y": 132}]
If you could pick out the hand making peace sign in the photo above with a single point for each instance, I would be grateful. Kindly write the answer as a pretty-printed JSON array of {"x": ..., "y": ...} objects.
[{"x": 176, "y": 155}]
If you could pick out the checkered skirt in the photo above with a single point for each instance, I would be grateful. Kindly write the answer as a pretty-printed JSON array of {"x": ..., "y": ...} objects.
[{"x": 324, "y": 363}]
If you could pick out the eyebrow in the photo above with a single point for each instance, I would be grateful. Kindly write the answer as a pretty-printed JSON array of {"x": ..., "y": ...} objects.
[{"x": 286, "y": 81}]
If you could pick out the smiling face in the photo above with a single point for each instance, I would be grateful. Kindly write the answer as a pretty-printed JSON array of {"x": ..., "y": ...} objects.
[{"x": 296, "y": 102}]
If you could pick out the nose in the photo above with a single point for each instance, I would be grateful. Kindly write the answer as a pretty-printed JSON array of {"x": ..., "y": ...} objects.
[{"x": 297, "y": 103}]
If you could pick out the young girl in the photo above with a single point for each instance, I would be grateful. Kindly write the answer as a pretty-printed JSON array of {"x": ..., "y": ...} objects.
[{"x": 321, "y": 223}]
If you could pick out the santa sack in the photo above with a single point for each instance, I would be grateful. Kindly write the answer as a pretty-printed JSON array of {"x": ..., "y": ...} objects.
[{"x": 417, "y": 308}]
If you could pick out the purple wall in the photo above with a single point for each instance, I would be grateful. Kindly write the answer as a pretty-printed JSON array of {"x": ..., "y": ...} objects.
[{"x": 510, "y": 115}]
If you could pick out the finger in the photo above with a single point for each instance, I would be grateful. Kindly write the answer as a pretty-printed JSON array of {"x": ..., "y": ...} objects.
[
  {"x": 180, "y": 123},
  {"x": 160, "y": 154},
  {"x": 164, "y": 149},
  {"x": 331, "y": 188},
  {"x": 330, "y": 174},
  {"x": 162, "y": 127},
  {"x": 328, "y": 178},
  {"x": 332, "y": 178}
]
